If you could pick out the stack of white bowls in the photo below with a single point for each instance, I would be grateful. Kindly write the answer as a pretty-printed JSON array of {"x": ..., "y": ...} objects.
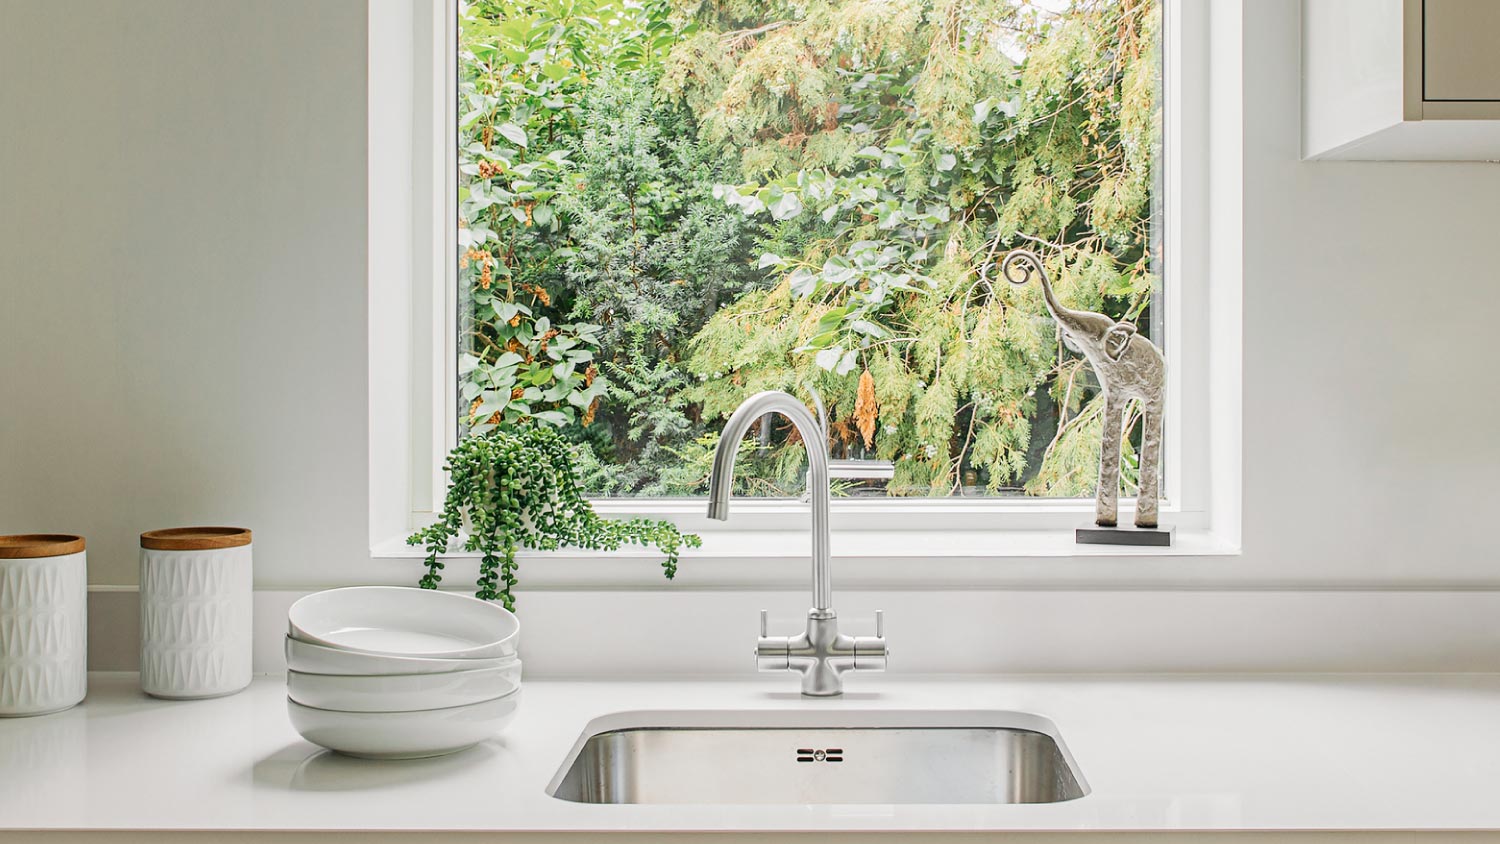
[{"x": 390, "y": 672}]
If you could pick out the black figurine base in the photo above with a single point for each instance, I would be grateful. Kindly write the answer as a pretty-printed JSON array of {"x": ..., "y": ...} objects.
[{"x": 1157, "y": 537}]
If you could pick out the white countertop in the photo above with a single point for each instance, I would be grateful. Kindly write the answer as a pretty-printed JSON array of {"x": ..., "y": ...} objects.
[{"x": 1307, "y": 752}]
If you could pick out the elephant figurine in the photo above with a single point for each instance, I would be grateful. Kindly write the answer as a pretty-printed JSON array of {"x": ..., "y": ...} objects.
[{"x": 1129, "y": 367}]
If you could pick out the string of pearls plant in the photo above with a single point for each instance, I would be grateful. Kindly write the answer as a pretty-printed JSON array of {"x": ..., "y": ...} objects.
[{"x": 515, "y": 487}]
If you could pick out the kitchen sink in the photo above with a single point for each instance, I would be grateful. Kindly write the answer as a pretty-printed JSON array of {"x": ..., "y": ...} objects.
[{"x": 819, "y": 756}]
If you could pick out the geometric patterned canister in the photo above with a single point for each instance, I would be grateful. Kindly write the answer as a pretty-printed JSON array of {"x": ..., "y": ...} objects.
[
  {"x": 195, "y": 612},
  {"x": 43, "y": 623}
]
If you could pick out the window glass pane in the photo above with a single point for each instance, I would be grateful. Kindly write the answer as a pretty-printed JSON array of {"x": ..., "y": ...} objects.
[{"x": 666, "y": 206}]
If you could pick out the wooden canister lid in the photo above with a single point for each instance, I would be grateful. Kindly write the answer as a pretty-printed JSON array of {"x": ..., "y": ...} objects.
[
  {"x": 195, "y": 538},
  {"x": 32, "y": 545}
]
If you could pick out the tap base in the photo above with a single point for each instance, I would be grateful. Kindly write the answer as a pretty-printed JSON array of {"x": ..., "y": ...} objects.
[{"x": 821, "y": 654}]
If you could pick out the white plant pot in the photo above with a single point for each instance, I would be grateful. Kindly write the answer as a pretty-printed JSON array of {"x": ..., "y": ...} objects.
[
  {"x": 43, "y": 623},
  {"x": 195, "y": 612}
]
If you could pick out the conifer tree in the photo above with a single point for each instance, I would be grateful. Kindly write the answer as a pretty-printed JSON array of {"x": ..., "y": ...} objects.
[{"x": 670, "y": 205}]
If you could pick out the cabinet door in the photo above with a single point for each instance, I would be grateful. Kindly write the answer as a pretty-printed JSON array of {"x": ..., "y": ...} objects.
[{"x": 1461, "y": 50}]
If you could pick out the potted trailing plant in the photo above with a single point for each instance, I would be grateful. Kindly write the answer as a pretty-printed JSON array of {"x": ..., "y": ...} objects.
[{"x": 515, "y": 486}]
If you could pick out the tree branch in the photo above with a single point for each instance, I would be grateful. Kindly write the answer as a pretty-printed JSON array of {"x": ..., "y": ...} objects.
[{"x": 736, "y": 39}]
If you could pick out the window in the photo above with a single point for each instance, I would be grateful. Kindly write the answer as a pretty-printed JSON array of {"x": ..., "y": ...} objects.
[
  {"x": 666, "y": 207},
  {"x": 1174, "y": 227}
]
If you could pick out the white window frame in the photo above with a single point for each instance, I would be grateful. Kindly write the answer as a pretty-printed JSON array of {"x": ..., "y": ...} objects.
[{"x": 413, "y": 301}]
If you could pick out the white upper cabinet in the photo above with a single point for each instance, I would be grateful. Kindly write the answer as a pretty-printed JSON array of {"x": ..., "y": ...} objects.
[{"x": 1401, "y": 80}]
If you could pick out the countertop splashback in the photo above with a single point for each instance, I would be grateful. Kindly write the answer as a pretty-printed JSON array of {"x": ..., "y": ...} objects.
[{"x": 625, "y": 633}]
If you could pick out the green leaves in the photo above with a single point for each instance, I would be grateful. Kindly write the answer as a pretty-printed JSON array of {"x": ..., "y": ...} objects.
[
  {"x": 850, "y": 217},
  {"x": 546, "y": 379},
  {"x": 513, "y": 133},
  {"x": 749, "y": 205},
  {"x": 517, "y": 488},
  {"x": 783, "y": 204},
  {"x": 804, "y": 282},
  {"x": 837, "y": 360},
  {"x": 522, "y": 85},
  {"x": 506, "y": 311},
  {"x": 923, "y": 177},
  {"x": 865, "y": 279},
  {"x": 990, "y": 105}
]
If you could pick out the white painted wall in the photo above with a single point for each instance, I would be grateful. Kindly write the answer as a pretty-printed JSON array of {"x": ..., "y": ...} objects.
[
  {"x": 1370, "y": 294},
  {"x": 183, "y": 312},
  {"x": 182, "y": 274}
]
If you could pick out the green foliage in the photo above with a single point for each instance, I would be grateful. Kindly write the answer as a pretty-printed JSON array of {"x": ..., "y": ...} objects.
[
  {"x": 655, "y": 255},
  {"x": 517, "y": 488},
  {"x": 896, "y": 185},
  {"x": 670, "y": 205},
  {"x": 594, "y": 245},
  {"x": 1076, "y": 470},
  {"x": 524, "y": 83},
  {"x": 543, "y": 373}
]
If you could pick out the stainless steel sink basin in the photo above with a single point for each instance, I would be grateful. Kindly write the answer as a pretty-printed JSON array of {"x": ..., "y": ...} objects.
[{"x": 820, "y": 756}]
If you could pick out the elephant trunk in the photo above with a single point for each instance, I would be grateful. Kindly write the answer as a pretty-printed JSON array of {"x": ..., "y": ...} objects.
[{"x": 1011, "y": 266}]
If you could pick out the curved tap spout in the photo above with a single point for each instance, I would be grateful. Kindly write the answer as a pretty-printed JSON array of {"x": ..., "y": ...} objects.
[
  {"x": 821, "y": 654},
  {"x": 721, "y": 480}
]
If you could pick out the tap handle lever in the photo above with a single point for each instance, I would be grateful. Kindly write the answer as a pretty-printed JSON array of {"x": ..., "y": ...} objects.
[
  {"x": 771, "y": 652},
  {"x": 870, "y": 652}
]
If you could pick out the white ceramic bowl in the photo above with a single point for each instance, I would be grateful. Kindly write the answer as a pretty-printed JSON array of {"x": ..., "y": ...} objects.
[
  {"x": 403, "y": 735},
  {"x": 321, "y": 659},
  {"x": 402, "y": 692},
  {"x": 405, "y": 621}
]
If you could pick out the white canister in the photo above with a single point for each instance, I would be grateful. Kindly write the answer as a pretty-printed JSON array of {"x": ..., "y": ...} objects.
[
  {"x": 43, "y": 623},
  {"x": 195, "y": 611}
]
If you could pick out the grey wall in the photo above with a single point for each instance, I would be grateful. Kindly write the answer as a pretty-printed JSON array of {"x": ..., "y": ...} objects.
[
  {"x": 182, "y": 328},
  {"x": 182, "y": 273}
]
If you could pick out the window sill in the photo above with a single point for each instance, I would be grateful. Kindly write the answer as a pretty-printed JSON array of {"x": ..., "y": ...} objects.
[{"x": 866, "y": 559}]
